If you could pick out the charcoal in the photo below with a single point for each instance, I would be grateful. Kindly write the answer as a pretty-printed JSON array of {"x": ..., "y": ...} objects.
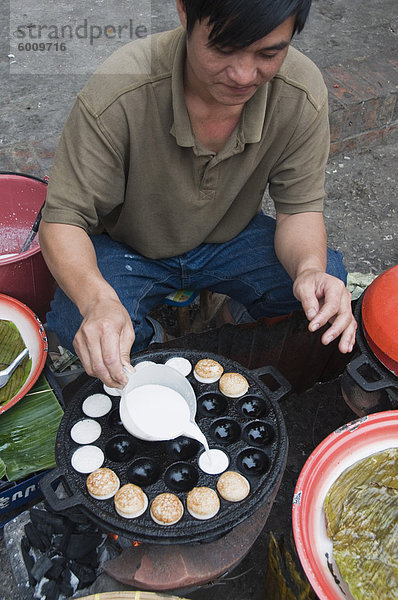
[
  {"x": 67, "y": 585},
  {"x": 50, "y": 591},
  {"x": 34, "y": 537},
  {"x": 86, "y": 575},
  {"x": 80, "y": 545},
  {"x": 46, "y": 522},
  {"x": 27, "y": 558},
  {"x": 85, "y": 528},
  {"x": 90, "y": 559},
  {"x": 41, "y": 566},
  {"x": 46, "y": 539},
  {"x": 25, "y": 544},
  {"x": 60, "y": 541},
  {"x": 58, "y": 565}
]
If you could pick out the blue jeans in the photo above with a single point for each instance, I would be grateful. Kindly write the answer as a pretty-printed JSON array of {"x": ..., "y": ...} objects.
[{"x": 245, "y": 268}]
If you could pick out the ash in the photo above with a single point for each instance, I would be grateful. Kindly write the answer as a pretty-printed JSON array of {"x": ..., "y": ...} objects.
[{"x": 54, "y": 556}]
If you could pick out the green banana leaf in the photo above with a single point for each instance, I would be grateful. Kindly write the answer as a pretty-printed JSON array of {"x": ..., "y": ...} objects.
[
  {"x": 12, "y": 344},
  {"x": 28, "y": 432},
  {"x": 366, "y": 545},
  {"x": 381, "y": 468}
]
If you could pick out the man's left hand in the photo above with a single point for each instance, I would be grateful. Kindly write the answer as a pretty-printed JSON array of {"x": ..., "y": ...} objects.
[{"x": 325, "y": 299}]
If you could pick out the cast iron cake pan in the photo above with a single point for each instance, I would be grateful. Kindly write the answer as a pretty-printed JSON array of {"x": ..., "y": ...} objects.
[{"x": 250, "y": 429}]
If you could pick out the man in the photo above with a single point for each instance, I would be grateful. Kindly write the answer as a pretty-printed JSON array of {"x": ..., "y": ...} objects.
[{"x": 159, "y": 176}]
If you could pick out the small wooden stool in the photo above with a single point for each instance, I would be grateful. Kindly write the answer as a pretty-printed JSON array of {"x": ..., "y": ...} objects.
[{"x": 210, "y": 304}]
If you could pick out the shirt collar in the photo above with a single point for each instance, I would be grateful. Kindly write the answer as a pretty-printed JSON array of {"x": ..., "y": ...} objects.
[{"x": 252, "y": 122}]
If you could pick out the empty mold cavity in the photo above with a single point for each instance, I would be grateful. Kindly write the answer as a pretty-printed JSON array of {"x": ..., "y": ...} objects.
[
  {"x": 225, "y": 431},
  {"x": 120, "y": 448},
  {"x": 212, "y": 405},
  {"x": 114, "y": 420},
  {"x": 181, "y": 477},
  {"x": 183, "y": 448},
  {"x": 252, "y": 407},
  {"x": 259, "y": 433},
  {"x": 143, "y": 471},
  {"x": 253, "y": 461}
]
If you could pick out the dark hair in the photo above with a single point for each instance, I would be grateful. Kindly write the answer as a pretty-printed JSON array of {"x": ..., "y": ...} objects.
[{"x": 239, "y": 23}]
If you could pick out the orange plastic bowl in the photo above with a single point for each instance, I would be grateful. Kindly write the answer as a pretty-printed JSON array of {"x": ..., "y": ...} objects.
[
  {"x": 380, "y": 318},
  {"x": 334, "y": 454},
  {"x": 34, "y": 337}
]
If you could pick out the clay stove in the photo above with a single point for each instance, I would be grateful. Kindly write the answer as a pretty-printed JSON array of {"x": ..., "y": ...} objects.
[{"x": 183, "y": 568}]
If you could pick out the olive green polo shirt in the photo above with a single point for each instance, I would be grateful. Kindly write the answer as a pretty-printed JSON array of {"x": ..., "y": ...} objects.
[{"x": 129, "y": 164}]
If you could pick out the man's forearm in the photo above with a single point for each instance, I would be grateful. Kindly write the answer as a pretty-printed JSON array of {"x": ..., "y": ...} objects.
[
  {"x": 71, "y": 258},
  {"x": 300, "y": 242}
]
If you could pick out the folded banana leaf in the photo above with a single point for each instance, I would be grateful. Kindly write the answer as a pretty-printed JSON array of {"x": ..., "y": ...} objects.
[
  {"x": 12, "y": 344},
  {"x": 381, "y": 468},
  {"x": 366, "y": 545},
  {"x": 28, "y": 431}
]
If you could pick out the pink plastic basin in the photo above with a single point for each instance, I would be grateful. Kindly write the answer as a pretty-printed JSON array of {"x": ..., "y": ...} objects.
[{"x": 23, "y": 276}]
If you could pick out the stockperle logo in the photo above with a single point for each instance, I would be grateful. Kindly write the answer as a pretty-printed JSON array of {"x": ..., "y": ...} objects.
[{"x": 74, "y": 37}]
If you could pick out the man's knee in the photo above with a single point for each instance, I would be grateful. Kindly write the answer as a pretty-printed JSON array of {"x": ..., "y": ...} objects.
[{"x": 335, "y": 265}]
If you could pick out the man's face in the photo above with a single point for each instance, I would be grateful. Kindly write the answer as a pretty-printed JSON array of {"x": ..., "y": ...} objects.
[{"x": 228, "y": 76}]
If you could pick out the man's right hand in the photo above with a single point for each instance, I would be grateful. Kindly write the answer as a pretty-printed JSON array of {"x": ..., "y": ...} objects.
[
  {"x": 103, "y": 342},
  {"x": 105, "y": 337}
]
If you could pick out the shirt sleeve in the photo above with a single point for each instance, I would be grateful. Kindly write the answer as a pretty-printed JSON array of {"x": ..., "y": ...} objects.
[
  {"x": 297, "y": 179},
  {"x": 87, "y": 179}
]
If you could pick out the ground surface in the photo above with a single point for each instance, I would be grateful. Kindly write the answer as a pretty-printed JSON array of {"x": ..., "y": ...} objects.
[{"x": 361, "y": 215}]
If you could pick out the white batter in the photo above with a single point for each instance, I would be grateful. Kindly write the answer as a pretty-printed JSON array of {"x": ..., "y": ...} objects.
[
  {"x": 213, "y": 461},
  {"x": 158, "y": 411},
  {"x": 85, "y": 431},
  {"x": 96, "y": 405},
  {"x": 180, "y": 364},
  {"x": 87, "y": 459}
]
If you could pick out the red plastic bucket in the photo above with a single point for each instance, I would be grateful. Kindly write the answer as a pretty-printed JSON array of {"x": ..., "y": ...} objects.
[{"x": 23, "y": 276}]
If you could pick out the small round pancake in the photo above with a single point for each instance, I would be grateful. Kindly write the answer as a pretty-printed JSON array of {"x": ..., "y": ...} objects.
[
  {"x": 85, "y": 431},
  {"x": 112, "y": 391},
  {"x": 233, "y": 385},
  {"x": 180, "y": 364},
  {"x": 102, "y": 483},
  {"x": 130, "y": 501},
  {"x": 233, "y": 486},
  {"x": 208, "y": 370},
  {"x": 203, "y": 503},
  {"x": 87, "y": 459},
  {"x": 97, "y": 405},
  {"x": 166, "y": 509}
]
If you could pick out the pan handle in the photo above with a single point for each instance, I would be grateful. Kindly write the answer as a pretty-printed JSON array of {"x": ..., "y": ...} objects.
[
  {"x": 382, "y": 382},
  {"x": 278, "y": 391},
  {"x": 56, "y": 503}
]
